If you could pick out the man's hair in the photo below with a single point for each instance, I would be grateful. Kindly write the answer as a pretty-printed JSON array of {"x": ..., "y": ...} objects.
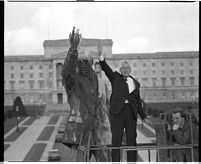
[
  {"x": 179, "y": 110},
  {"x": 125, "y": 62}
]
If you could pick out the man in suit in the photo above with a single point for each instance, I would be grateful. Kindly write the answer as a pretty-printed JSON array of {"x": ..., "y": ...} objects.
[
  {"x": 181, "y": 134},
  {"x": 124, "y": 106}
]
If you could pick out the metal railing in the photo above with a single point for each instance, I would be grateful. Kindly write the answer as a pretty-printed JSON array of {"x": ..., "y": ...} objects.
[{"x": 144, "y": 146}]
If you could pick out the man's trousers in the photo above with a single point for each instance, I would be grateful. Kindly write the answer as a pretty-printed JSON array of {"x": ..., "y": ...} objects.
[{"x": 125, "y": 119}]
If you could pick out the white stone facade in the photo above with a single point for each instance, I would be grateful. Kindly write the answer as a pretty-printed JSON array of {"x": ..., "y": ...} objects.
[{"x": 164, "y": 76}]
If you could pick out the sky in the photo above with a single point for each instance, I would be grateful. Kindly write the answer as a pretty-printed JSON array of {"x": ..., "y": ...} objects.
[{"x": 134, "y": 27}]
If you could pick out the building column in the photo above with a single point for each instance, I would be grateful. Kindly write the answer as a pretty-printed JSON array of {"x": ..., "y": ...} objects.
[{"x": 54, "y": 75}]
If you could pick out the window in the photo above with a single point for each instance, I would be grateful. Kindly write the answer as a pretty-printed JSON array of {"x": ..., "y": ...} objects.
[
  {"x": 163, "y": 72},
  {"x": 182, "y": 80},
  {"x": 192, "y": 80},
  {"x": 22, "y": 84},
  {"x": 182, "y": 72},
  {"x": 162, "y": 64},
  {"x": 144, "y": 64},
  {"x": 40, "y": 67},
  {"x": 172, "y": 63},
  {"x": 50, "y": 74},
  {"x": 144, "y": 73},
  {"x": 154, "y": 81},
  {"x": 50, "y": 84},
  {"x": 12, "y": 76},
  {"x": 31, "y": 66},
  {"x": 12, "y": 85},
  {"x": 181, "y": 64},
  {"x": 191, "y": 71},
  {"x": 21, "y": 67},
  {"x": 12, "y": 67},
  {"x": 153, "y": 64},
  {"x": 191, "y": 63},
  {"x": 163, "y": 79},
  {"x": 40, "y": 75},
  {"x": 31, "y": 75},
  {"x": 153, "y": 72},
  {"x": 145, "y": 81},
  {"x": 60, "y": 98},
  {"x": 31, "y": 84},
  {"x": 41, "y": 84},
  {"x": 172, "y": 72},
  {"x": 22, "y": 75},
  {"x": 172, "y": 80}
]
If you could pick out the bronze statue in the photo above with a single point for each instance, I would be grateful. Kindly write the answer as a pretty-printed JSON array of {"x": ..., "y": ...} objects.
[{"x": 81, "y": 85}]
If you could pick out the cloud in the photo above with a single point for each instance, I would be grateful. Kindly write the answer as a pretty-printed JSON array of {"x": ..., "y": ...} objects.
[
  {"x": 23, "y": 41},
  {"x": 133, "y": 27},
  {"x": 137, "y": 44}
]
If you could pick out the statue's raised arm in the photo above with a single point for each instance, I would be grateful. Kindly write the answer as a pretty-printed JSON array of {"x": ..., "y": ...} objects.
[{"x": 69, "y": 67}]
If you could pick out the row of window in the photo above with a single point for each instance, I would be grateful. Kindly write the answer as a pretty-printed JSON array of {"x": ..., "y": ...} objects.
[
  {"x": 172, "y": 79},
  {"x": 144, "y": 80},
  {"x": 163, "y": 64},
  {"x": 163, "y": 72},
  {"x": 41, "y": 84},
  {"x": 30, "y": 67},
  {"x": 31, "y": 75}
]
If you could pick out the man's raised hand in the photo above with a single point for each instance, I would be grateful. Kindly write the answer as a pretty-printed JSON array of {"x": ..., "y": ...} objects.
[
  {"x": 74, "y": 39},
  {"x": 100, "y": 49}
]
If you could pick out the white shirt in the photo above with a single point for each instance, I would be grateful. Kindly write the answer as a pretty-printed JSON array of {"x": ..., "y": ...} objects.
[{"x": 131, "y": 85}]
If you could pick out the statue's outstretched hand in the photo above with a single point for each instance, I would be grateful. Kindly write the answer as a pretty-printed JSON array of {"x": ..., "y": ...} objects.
[{"x": 74, "y": 39}]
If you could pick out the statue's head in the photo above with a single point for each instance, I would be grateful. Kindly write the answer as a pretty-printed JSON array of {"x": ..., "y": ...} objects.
[{"x": 84, "y": 66}]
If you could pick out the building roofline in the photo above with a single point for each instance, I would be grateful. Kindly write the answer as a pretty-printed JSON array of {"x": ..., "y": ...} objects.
[
  {"x": 156, "y": 55},
  {"x": 22, "y": 58},
  {"x": 122, "y": 56},
  {"x": 84, "y": 42}
]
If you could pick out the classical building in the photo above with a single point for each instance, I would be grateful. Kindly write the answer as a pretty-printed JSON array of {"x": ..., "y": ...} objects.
[{"x": 164, "y": 76}]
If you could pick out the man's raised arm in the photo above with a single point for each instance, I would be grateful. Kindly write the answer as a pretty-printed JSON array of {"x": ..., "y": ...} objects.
[{"x": 105, "y": 67}]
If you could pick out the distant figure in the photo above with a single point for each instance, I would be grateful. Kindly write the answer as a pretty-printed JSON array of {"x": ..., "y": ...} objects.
[
  {"x": 181, "y": 134},
  {"x": 105, "y": 132},
  {"x": 18, "y": 102}
]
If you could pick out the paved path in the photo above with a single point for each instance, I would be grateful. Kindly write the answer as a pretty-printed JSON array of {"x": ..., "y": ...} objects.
[
  {"x": 19, "y": 149},
  {"x": 50, "y": 142},
  {"x": 13, "y": 129},
  {"x": 143, "y": 139}
]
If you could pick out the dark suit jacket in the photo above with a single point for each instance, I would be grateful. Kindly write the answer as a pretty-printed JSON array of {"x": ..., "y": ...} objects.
[{"x": 120, "y": 92}]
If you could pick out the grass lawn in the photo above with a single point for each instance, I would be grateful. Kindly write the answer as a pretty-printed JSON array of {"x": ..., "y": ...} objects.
[
  {"x": 14, "y": 135},
  {"x": 53, "y": 120},
  {"x": 46, "y": 133},
  {"x": 29, "y": 121},
  {"x": 35, "y": 152},
  {"x": 11, "y": 123}
]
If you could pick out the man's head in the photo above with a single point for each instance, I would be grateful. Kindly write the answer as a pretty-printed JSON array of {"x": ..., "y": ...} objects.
[
  {"x": 125, "y": 69},
  {"x": 97, "y": 67},
  {"x": 178, "y": 116}
]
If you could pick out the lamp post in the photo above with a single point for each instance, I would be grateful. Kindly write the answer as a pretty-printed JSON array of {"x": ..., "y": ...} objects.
[{"x": 17, "y": 110}]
